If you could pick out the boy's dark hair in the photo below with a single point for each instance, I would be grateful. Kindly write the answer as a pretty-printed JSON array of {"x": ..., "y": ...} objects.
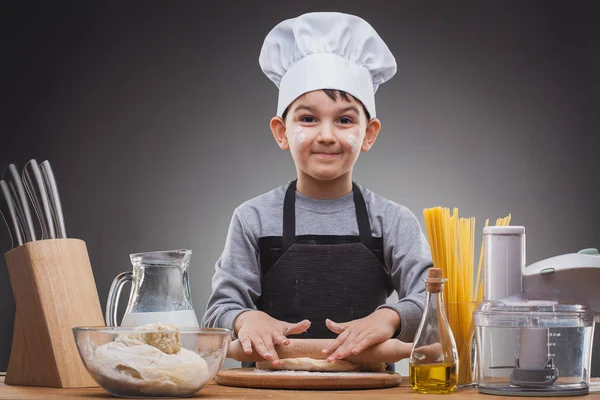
[{"x": 333, "y": 95}]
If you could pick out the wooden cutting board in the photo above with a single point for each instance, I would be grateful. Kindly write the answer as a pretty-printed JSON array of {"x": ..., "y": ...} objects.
[{"x": 252, "y": 378}]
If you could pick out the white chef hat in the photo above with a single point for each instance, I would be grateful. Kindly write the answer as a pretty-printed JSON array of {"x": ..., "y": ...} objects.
[{"x": 326, "y": 50}]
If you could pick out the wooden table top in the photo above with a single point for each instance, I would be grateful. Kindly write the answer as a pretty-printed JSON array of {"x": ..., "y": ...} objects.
[{"x": 214, "y": 391}]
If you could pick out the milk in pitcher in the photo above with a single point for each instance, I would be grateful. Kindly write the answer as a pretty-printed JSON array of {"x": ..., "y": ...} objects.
[{"x": 182, "y": 319}]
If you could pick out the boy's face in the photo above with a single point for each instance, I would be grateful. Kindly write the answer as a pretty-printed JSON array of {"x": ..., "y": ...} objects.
[{"x": 325, "y": 136}]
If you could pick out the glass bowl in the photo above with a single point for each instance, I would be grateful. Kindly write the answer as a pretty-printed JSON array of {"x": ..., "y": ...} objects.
[{"x": 133, "y": 362}]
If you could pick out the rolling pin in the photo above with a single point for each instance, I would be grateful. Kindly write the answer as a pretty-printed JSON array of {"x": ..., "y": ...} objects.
[{"x": 392, "y": 350}]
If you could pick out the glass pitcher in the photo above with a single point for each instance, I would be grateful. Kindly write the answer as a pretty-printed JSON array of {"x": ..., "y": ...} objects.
[{"x": 160, "y": 291}]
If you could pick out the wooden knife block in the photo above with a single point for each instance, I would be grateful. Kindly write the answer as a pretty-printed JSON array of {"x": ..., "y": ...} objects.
[{"x": 54, "y": 291}]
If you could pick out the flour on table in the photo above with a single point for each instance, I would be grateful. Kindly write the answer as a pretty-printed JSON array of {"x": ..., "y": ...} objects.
[
  {"x": 287, "y": 373},
  {"x": 313, "y": 365}
]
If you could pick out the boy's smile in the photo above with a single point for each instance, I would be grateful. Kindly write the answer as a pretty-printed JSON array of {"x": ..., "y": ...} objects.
[
  {"x": 327, "y": 155},
  {"x": 324, "y": 136}
]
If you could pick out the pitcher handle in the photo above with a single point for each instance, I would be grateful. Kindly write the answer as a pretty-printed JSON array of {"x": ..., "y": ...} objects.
[{"x": 113, "y": 297}]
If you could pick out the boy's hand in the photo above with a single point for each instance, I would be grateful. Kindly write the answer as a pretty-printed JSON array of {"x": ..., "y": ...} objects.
[
  {"x": 356, "y": 336},
  {"x": 258, "y": 329}
]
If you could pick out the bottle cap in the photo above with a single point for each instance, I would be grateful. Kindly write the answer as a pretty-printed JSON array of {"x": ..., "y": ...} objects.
[{"x": 434, "y": 280}]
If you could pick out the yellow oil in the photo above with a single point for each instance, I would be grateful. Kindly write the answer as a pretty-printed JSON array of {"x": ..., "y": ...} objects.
[{"x": 433, "y": 378}]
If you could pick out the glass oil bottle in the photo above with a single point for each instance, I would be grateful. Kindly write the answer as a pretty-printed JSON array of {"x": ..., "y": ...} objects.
[{"x": 433, "y": 362}]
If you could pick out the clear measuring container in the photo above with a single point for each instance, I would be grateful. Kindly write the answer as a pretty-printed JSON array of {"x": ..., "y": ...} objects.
[
  {"x": 160, "y": 290},
  {"x": 550, "y": 350}
]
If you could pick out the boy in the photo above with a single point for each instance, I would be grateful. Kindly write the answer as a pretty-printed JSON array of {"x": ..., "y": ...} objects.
[{"x": 319, "y": 256}]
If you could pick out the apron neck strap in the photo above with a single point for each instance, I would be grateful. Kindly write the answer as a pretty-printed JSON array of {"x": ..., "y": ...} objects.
[
  {"x": 289, "y": 217},
  {"x": 362, "y": 217}
]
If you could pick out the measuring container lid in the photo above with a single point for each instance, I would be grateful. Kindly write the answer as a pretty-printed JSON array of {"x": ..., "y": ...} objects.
[{"x": 534, "y": 309}]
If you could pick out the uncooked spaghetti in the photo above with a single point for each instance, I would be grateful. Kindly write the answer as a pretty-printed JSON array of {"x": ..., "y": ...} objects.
[{"x": 452, "y": 242}]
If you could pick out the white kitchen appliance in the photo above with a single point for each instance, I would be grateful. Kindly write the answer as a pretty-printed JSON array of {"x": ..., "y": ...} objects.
[
  {"x": 575, "y": 274},
  {"x": 537, "y": 342}
]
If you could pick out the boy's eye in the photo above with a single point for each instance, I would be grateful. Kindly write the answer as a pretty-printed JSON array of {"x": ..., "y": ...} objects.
[
  {"x": 307, "y": 118},
  {"x": 345, "y": 120}
]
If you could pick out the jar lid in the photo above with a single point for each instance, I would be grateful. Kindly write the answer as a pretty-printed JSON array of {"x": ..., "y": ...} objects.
[
  {"x": 504, "y": 230},
  {"x": 535, "y": 309}
]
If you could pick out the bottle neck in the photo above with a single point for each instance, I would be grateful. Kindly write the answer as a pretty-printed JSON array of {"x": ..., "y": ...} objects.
[
  {"x": 434, "y": 287},
  {"x": 435, "y": 299}
]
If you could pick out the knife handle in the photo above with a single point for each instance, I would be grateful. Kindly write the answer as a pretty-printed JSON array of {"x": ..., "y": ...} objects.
[
  {"x": 34, "y": 183},
  {"x": 54, "y": 199},
  {"x": 7, "y": 207},
  {"x": 21, "y": 201}
]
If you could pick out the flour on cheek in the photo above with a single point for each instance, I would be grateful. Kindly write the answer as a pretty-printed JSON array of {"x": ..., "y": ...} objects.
[
  {"x": 299, "y": 138},
  {"x": 352, "y": 142}
]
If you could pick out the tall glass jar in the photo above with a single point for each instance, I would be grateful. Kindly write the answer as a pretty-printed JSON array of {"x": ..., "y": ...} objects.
[{"x": 433, "y": 362}]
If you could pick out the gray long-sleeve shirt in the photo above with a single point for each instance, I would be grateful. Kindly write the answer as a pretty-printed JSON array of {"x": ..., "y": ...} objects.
[{"x": 236, "y": 283}]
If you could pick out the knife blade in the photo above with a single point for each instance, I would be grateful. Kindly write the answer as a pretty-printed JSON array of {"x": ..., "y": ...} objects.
[
  {"x": 34, "y": 183},
  {"x": 21, "y": 201},
  {"x": 9, "y": 213},
  {"x": 53, "y": 196}
]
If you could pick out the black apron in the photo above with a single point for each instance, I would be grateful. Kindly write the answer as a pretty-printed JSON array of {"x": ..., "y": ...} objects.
[{"x": 316, "y": 277}]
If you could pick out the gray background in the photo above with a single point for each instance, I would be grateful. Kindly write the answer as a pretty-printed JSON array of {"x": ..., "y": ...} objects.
[{"x": 155, "y": 117}]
